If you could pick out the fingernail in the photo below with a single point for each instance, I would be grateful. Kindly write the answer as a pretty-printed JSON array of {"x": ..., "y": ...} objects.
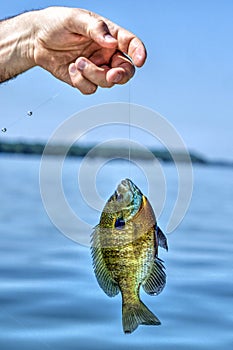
[
  {"x": 108, "y": 37},
  {"x": 73, "y": 69},
  {"x": 117, "y": 78},
  {"x": 81, "y": 65}
]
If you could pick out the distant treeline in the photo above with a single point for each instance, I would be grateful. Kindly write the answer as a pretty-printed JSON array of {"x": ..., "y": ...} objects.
[{"x": 104, "y": 152}]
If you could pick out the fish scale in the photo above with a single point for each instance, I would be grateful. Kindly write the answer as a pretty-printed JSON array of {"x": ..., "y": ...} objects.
[{"x": 125, "y": 253}]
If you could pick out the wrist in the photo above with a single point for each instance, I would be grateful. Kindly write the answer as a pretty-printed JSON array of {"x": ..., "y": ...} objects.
[{"x": 17, "y": 37}]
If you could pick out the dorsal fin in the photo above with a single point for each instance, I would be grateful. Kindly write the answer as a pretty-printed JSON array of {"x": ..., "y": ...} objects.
[
  {"x": 106, "y": 282},
  {"x": 162, "y": 240}
]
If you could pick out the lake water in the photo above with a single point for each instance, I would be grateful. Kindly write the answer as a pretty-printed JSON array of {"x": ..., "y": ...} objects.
[{"x": 49, "y": 295}]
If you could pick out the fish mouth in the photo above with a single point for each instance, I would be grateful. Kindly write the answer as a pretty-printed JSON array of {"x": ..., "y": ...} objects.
[
  {"x": 124, "y": 189},
  {"x": 127, "y": 196},
  {"x": 125, "y": 185}
]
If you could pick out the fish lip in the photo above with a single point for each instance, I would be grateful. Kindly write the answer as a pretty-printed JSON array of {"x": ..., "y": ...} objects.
[
  {"x": 126, "y": 182},
  {"x": 124, "y": 192},
  {"x": 124, "y": 186}
]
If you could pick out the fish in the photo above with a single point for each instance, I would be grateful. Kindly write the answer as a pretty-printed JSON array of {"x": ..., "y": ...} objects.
[{"x": 124, "y": 249}]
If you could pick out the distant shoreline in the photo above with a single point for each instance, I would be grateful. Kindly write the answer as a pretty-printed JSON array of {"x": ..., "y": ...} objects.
[{"x": 27, "y": 148}]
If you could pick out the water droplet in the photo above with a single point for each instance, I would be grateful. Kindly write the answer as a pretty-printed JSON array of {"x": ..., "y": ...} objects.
[
  {"x": 29, "y": 113},
  {"x": 4, "y": 129}
]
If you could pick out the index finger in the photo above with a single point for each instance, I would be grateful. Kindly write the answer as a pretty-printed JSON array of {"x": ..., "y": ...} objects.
[
  {"x": 137, "y": 52},
  {"x": 128, "y": 43}
]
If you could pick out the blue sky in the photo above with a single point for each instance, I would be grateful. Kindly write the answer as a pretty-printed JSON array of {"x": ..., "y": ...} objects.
[{"x": 188, "y": 76}]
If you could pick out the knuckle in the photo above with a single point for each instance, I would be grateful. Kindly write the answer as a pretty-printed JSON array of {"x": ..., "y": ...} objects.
[
  {"x": 124, "y": 38},
  {"x": 96, "y": 26},
  {"x": 100, "y": 24}
]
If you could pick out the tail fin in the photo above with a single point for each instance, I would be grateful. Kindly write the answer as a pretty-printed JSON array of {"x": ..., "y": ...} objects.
[{"x": 136, "y": 314}]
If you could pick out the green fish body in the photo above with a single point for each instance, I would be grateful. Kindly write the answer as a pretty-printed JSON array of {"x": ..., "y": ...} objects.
[{"x": 125, "y": 253}]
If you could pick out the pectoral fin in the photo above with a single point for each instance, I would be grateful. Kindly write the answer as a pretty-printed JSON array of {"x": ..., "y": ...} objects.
[
  {"x": 156, "y": 280},
  {"x": 103, "y": 276}
]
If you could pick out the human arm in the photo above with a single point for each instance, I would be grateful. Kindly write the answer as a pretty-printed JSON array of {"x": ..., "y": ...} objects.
[
  {"x": 77, "y": 46},
  {"x": 16, "y": 45}
]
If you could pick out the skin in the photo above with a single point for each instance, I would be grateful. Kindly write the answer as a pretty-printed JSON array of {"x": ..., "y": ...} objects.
[{"x": 79, "y": 47}]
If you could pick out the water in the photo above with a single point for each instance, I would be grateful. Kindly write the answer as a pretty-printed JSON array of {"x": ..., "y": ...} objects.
[{"x": 48, "y": 293}]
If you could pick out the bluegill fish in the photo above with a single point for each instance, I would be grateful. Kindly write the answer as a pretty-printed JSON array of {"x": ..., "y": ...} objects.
[{"x": 125, "y": 253}]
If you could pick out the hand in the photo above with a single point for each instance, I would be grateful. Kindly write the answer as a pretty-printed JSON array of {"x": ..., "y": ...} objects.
[{"x": 84, "y": 49}]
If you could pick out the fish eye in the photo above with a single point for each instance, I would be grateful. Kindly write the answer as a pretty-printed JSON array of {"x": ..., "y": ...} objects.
[{"x": 120, "y": 223}]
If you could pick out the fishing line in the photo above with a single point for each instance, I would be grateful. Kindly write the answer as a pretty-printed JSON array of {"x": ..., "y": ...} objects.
[
  {"x": 129, "y": 129},
  {"x": 31, "y": 111},
  {"x": 5, "y": 129}
]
